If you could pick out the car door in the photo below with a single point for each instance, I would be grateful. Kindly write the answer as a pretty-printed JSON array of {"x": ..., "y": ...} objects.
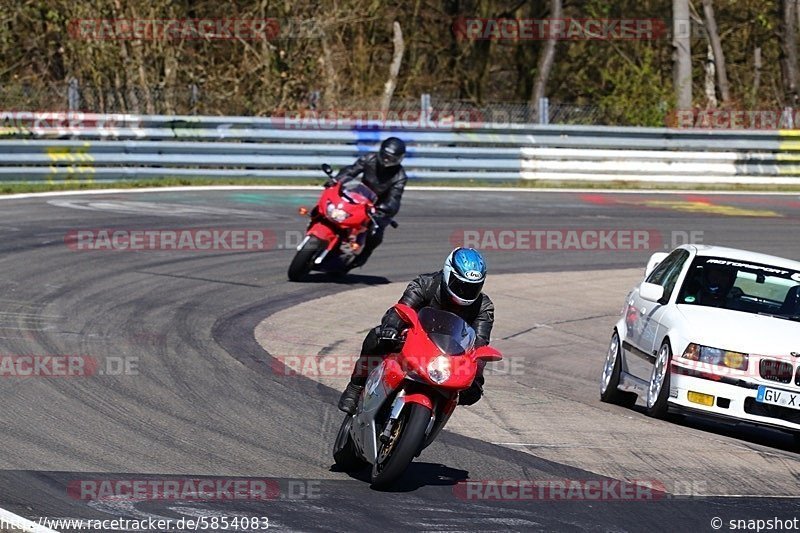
[{"x": 644, "y": 316}]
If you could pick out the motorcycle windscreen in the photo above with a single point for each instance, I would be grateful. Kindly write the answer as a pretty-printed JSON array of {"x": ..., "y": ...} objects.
[
  {"x": 448, "y": 332},
  {"x": 358, "y": 193}
]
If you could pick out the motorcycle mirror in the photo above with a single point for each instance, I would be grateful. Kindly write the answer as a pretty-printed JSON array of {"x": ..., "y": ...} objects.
[
  {"x": 326, "y": 168},
  {"x": 487, "y": 353}
]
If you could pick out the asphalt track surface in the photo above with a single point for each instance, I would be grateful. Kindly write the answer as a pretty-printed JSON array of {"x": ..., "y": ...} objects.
[{"x": 203, "y": 401}]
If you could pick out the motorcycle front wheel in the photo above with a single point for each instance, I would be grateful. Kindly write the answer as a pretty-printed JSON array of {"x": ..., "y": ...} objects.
[
  {"x": 304, "y": 259},
  {"x": 406, "y": 438}
]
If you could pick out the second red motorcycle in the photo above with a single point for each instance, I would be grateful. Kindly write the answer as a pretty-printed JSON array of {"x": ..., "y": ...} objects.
[{"x": 339, "y": 226}]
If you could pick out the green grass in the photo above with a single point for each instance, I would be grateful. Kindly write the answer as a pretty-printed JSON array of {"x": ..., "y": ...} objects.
[{"x": 14, "y": 188}]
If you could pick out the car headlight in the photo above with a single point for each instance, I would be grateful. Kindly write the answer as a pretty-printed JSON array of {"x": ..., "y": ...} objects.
[
  {"x": 439, "y": 369},
  {"x": 716, "y": 356},
  {"x": 335, "y": 213}
]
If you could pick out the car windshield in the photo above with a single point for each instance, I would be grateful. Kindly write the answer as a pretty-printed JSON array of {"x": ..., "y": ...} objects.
[
  {"x": 742, "y": 286},
  {"x": 448, "y": 332},
  {"x": 358, "y": 193}
]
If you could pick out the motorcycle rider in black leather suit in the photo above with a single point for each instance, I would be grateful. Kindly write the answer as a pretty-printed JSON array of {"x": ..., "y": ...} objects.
[{"x": 383, "y": 173}]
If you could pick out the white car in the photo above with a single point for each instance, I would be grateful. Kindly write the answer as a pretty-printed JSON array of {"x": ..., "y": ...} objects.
[{"x": 711, "y": 330}]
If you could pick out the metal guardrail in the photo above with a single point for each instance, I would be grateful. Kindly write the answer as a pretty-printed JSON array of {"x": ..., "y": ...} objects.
[{"x": 117, "y": 147}]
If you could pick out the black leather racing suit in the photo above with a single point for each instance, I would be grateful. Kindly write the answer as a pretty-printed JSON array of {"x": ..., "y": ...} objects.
[
  {"x": 388, "y": 183},
  {"x": 428, "y": 290}
]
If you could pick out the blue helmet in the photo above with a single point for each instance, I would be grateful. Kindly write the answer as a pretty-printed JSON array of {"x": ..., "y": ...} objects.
[{"x": 464, "y": 273}]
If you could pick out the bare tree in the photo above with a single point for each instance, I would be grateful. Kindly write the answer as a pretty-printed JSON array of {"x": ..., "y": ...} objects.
[
  {"x": 789, "y": 52},
  {"x": 757, "y": 72},
  {"x": 710, "y": 86},
  {"x": 716, "y": 47},
  {"x": 394, "y": 69},
  {"x": 682, "y": 54},
  {"x": 546, "y": 59}
]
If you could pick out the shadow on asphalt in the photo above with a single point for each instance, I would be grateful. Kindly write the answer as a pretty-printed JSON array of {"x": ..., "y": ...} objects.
[
  {"x": 743, "y": 432},
  {"x": 346, "y": 279},
  {"x": 417, "y": 476}
]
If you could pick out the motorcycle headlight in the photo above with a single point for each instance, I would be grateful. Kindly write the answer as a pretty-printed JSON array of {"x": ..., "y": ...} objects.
[
  {"x": 335, "y": 213},
  {"x": 439, "y": 369},
  {"x": 716, "y": 356}
]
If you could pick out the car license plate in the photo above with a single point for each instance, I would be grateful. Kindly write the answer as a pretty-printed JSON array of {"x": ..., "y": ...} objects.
[{"x": 778, "y": 397}]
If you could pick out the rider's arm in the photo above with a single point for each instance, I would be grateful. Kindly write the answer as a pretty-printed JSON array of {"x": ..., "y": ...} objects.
[
  {"x": 484, "y": 321},
  {"x": 483, "y": 328},
  {"x": 413, "y": 296},
  {"x": 390, "y": 203},
  {"x": 351, "y": 171}
]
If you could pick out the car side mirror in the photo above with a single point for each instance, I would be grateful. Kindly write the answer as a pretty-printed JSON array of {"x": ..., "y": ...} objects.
[
  {"x": 653, "y": 262},
  {"x": 651, "y": 292}
]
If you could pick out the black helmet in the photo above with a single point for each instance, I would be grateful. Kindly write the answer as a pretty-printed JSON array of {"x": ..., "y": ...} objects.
[
  {"x": 392, "y": 152},
  {"x": 718, "y": 280}
]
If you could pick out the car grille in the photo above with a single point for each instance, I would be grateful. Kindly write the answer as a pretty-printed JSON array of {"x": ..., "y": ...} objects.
[
  {"x": 797, "y": 377},
  {"x": 751, "y": 406},
  {"x": 777, "y": 371}
]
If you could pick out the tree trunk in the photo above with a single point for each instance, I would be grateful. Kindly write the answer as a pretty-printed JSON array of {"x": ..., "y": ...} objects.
[
  {"x": 756, "y": 73},
  {"x": 716, "y": 47},
  {"x": 331, "y": 96},
  {"x": 682, "y": 54},
  {"x": 394, "y": 70},
  {"x": 789, "y": 52},
  {"x": 711, "y": 93},
  {"x": 545, "y": 63}
]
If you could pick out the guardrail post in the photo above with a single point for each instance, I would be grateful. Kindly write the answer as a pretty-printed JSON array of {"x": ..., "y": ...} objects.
[
  {"x": 194, "y": 97},
  {"x": 73, "y": 95},
  {"x": 425, "y": 108},
  {"x": 544, "y": 110},
  {"x": 787, "y": 120},
  {"x": 313, "y": 100}
]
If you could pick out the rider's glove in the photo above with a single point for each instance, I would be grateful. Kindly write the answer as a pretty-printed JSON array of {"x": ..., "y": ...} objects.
[
  {"x": 389, "y": 332},
  {"x": 471, "y": 395}
]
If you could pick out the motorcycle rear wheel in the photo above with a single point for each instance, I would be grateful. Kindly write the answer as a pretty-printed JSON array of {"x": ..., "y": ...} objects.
[{"x": 405, "y": 441}]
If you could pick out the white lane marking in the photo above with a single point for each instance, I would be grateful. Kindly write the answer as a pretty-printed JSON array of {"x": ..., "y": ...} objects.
[
  {"x": 21, "y": 196},
  {"x": 148, "y": 208},
  {"x": 7, "y": 517},
  {"x": 535, "y": 444}
]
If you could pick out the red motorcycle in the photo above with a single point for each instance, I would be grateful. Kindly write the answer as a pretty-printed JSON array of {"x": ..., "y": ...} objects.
[
  {"x": 338, "y": 229},
  {"x": 410, "y": 396}
]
